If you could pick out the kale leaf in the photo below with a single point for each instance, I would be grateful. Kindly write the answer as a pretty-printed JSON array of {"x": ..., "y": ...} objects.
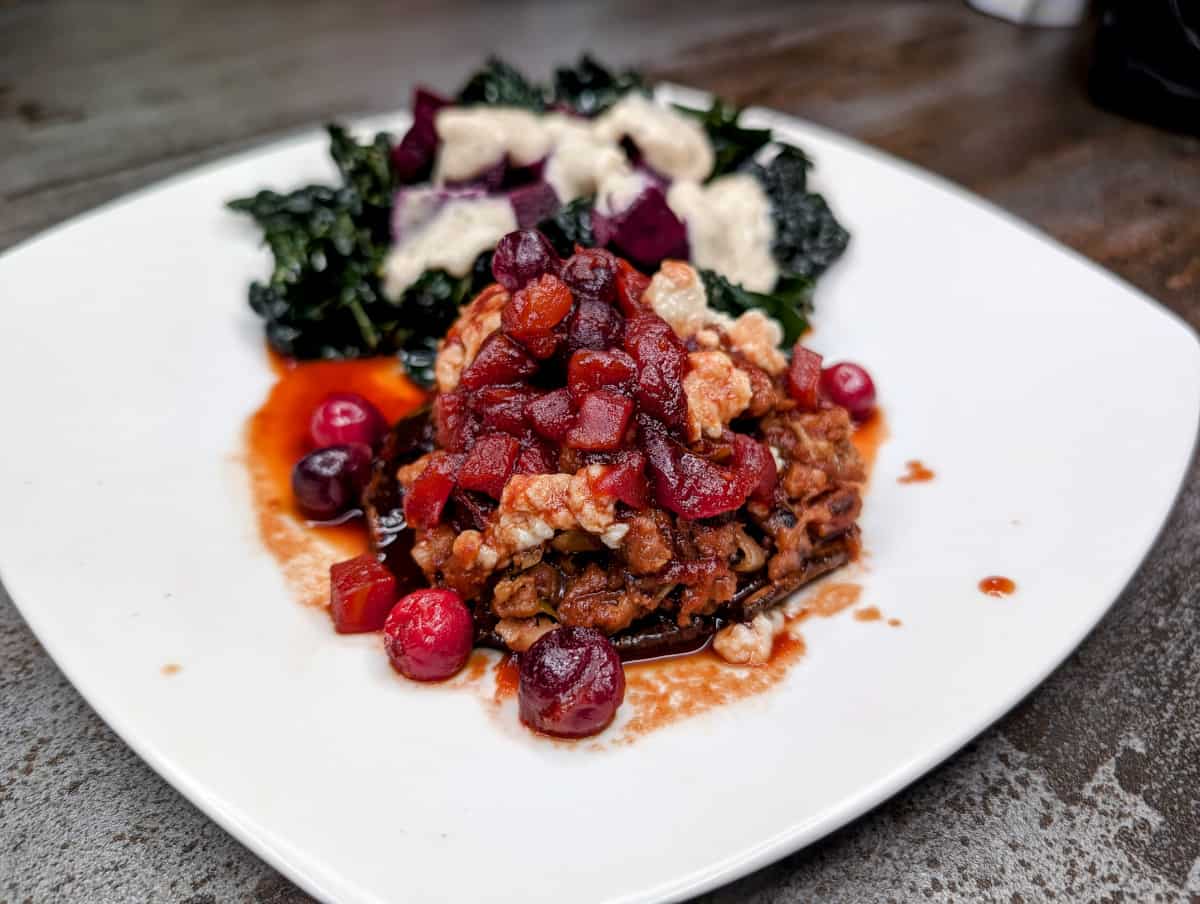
[
  {"x": 589, "y": 88},
  {"x": 790, "y": 302},
  {"x": 571, "y": 225},
  {"x": 808, "y": 238},
  {"x": 324, "y": 298},
  {"x": 499, "y": 84},
  {"x": 732, "y": 144}
]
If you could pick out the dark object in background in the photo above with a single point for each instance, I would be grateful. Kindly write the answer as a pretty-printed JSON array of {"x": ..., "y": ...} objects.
[{"x": 1146, "y": 63}]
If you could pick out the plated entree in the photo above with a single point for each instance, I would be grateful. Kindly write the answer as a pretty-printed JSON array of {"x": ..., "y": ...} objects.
[{"x": 626, "y": 452}]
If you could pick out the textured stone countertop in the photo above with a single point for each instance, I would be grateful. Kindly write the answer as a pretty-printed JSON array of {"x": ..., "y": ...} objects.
[{"x": 1089, "y": 790}]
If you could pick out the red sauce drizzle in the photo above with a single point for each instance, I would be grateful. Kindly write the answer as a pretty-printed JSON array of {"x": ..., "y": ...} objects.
[
  {"x": 508, "y": 674},
  {"x": 868, "y": 437},
  {"x": 870, "y": 613},
  {"x": 277, "y": 437},
  {"x": 917, "y": 473},
  {"x": 997, "y": 586}
]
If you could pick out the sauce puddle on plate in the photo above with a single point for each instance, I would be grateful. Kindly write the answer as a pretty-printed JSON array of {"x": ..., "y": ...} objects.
[{"x": 277, "y": 438}]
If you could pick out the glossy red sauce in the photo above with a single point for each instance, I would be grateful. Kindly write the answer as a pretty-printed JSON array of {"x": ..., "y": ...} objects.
[
  {"x": 277, "y": 437},
  {"x": 508, "y": 673},
  {"x": 895, "y": 622},
  {"x": 870, "y": 613},
  {"x": 997, "y": 586},
  {"x": 171, "y": 668},
  {"x": 869, "y": 436},
  {"x": 917, "y": 473}
]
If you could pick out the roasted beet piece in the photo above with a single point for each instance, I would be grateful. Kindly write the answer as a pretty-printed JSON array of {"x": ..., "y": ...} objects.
[
  {"x": 552, "y": 414},
  {"x": 502, "y": 407},
  {"x": 661, "y": 360},
  {"x": 455, "y": 423},
  {"x": 756, "y": 467},
  {"x": 626, "y": 479},
  {"x": 537, "y": 456},
  {"x": 500, "y": 360},
  {"x": 488, "y": 464},
  {"x": 412, "y": 158},
  {"x": 631, "y": 286},
  {"x": 804, "y": 378},
  {"x": 362, "y": 593},
  {"x": 595, "y": 325},
  {"x": 533, "y": 312},
  {"x": 601, "y": 422},
  {"x": 423, "y": 504},
  {"x": 589, "y": 369},
  {"x": 692, "y": 486},
  {"x": 592, "y": 273}
]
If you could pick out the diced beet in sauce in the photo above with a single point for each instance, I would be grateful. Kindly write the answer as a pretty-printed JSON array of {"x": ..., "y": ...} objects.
[
  {"x": 423, "y": 504},
  {"x": 552, "y": 414},
  {"x": 488, "y": 464},
  {"x": 757, "y": 464},
  {"x": 454, "y": 422},
  {"x": 691, "y": 485},
  {"x": 537, "y": 456},
  {"x": 533, "y": 313},
  {"x": 661, "y": 360},
  {"x": 804, "y": 378},
  {"x": 500, "y": 360},
  {"x": 631, "y": 286},
  {"x": 626, "y": 480},
  {"x": 601, "y": 422},
  {"x": 502, "y": 408},
  {"x": 362, "y": 593},
  {"x": 588, "y": 370}
]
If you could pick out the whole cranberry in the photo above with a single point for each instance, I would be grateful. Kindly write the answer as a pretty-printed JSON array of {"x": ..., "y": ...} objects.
[
  {"x": 522, "y": 257},
  {"x": 428, "y": 634},
  {"x": 571, "y": 683},
  {"x": 850, "y": 386},
  {"x": 346, "y": 417},
  {"x": 328, "y": 482}
]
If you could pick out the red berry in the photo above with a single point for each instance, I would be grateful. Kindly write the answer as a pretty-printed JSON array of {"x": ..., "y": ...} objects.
[
  {"x": 344, "y": 418},
  {"x": 429, "y": 634},
  {"x": 595, "y": 324},
  {"x": 850, "y": 386},
  {"x": 328, "y": 482},
  {"x": 362, "y": 593},
  {"x": 804, "y": 377},
  {"x": 571, "y": 683}
]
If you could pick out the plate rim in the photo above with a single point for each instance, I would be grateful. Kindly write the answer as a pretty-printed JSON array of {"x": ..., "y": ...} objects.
[{"x": 274, "y": 851}]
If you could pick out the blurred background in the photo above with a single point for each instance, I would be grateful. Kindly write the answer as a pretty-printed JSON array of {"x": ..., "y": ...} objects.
[{"x": 1087, "y": 129}]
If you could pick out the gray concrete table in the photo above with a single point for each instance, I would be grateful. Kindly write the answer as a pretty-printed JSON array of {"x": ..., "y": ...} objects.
[{"x": 1090, "y": 790}]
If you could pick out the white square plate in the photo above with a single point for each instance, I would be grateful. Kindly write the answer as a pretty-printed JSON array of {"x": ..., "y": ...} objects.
[{"x": 1057, "y": 405}]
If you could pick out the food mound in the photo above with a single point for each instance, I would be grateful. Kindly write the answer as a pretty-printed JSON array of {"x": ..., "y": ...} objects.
[{"x": 604, "y": 451}]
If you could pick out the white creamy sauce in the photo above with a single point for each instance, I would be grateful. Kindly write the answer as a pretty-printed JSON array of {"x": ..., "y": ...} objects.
[
  {"x": 461, "y": 231},
  {"x": 729, "y": 228},
  {"x": 729, "y": 220},
  {"x": 474, "y": 138}
]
